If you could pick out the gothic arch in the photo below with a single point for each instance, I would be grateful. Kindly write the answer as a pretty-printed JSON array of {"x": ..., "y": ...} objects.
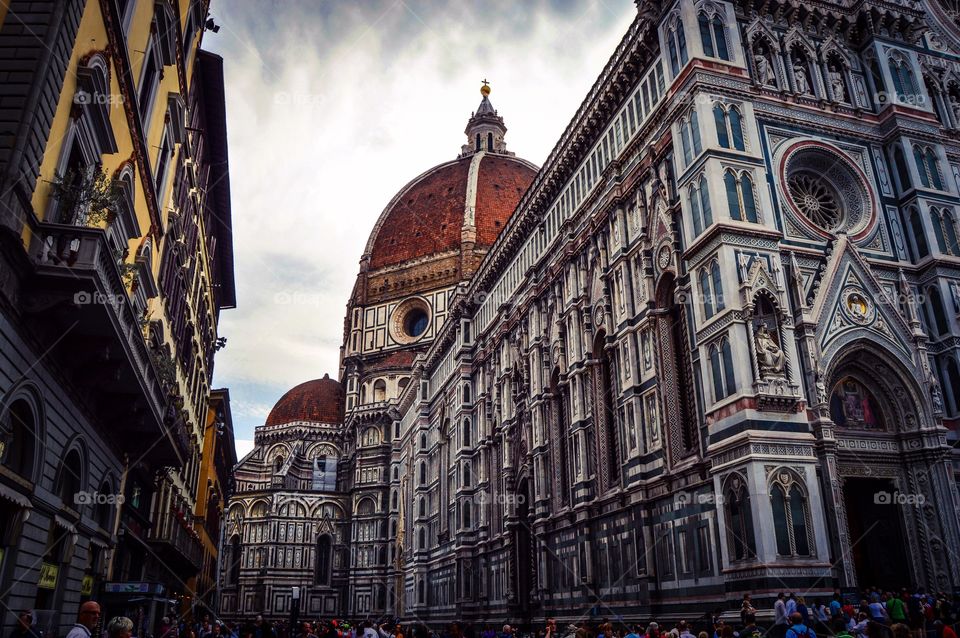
[{"x": 891, "y": 381}]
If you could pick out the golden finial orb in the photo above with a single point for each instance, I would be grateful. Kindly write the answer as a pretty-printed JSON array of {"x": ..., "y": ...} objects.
[{"x": 485, "y": 89}]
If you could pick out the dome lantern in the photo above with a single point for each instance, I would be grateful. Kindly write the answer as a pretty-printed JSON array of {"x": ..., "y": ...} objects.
[{"x": 485, "y": 128}]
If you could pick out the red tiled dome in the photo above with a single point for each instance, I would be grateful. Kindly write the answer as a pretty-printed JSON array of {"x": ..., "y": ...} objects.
[
  {"x": 319, "y": 401},
  {"x": 426, "y": 216}
]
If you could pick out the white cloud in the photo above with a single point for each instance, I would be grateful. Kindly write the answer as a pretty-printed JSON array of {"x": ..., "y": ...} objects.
[
  {"x": 332, "y": 108},
  {"x": 243, "y": 447}
]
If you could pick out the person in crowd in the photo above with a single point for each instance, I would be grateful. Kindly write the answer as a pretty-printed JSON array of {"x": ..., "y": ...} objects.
[
  {"x": 746, "y": 607},
  {"x": 801, "y": 608},
  {"x": 24, "y": 628},
  {"x": 798, "y": 629},
  {"x": 368, "y": 630},
  {"x": 791, "y": 604},
  {"x": 87, "y": 619},
  {"x": 836, "y": 607},
  {"x": 684, "y": 630},
  {"x": 878, "y": 613},
  {"x": 897, "y": 608},
  {"x": 943, "y": 630},
  {"x": 900, "y": 630},
  {"x": 839, "y": 628},
  {"x": 780, "y": 617},
  {"x": 750, "y": 628},
  {"x": 119, "y": 627},
  {"x": 637, "y": 630}
]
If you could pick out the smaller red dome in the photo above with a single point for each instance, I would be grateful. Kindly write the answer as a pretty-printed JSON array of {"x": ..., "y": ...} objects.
[{"x": 318, "y": 401}]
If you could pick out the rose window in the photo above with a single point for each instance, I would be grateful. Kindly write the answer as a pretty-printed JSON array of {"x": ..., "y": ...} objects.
[
  {"x": 826, "y": 189},
  {"x": 817, "y": 199}
]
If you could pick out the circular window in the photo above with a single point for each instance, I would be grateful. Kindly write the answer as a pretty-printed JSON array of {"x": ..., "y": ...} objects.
[
  {"x": 825, "y": 189},
  {"x": 415, "y": 323},
  {"x": 816, "y": 198},
  {"x": 410, "y": 320}
]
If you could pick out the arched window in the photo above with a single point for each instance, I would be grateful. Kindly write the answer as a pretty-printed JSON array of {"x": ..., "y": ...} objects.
[
  {"x": 379, "y": 391},
  {"x": 705, "y": 209},
  {"x": 918, "y": 234},
  {"x": 236, "y": 554},
  {"x": 103, "y": 510},
  {"x": 489, "y": 141},
  {"x": 711, "y": 287},
  {"x": 740, "y": 196},
  {"x": 953, "y": 380},
  {"x": 604, "y": 416},
  {"x": 790, "y": 514},
  {"x": 729, "y": 125},
  {"x": 693, "y": 196},
  {"x": 721, "y": 368},
  {"x": 477, "y": 145},
  {"x": 677, "y": 47},
  {"x": 928, "y": 166},
  {"x": 466, "y": 433},
  {"x": 903, "y": 80},
  {"x": 18, "y": 432},
  {"x": 322, "y": 568},
  {"x": 740, "y": 538},
  {"x": 394, "y": 500},
  {"x": 945, "y": 231},
  {"x": 467, "y": 478},
  {"x": 422, "y": 538},
  {"x": 717, "y": 285},
  {"x": 422, "y": 507},
  {"x": 278, "y": 463},
  {"x": 900, "y": 163},
  {"x": 720, "y": 120},
  {"x": 707, "y": 296},
  {"x": 423, "y": 473},
  {"x": 937, "y": 315},
  {"x": 466, "y": 393},
  {"x": 560, "y": 434},
  {"x": 467, "y": 509},
  {"x": 70, "y": 479},
  {"x": 713, "y": 35}
]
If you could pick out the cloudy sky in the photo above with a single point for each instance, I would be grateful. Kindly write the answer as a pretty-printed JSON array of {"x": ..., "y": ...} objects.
[{"x": 334, "y": 105}]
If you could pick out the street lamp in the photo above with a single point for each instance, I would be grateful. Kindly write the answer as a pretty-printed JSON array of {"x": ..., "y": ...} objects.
[{"x": 294, "y": 610}]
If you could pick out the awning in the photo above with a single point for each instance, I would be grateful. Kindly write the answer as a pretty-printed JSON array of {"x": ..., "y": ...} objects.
[
  {"x": 15, "y": 497},
  {"x": 65, "y": 524}
]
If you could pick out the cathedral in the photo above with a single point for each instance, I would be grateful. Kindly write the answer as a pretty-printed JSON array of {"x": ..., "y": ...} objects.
[{"x": 708, "y": 348}]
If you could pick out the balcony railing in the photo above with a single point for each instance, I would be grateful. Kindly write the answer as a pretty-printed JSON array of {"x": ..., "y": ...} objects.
[
  {"x": 80, "y": 299},
  {"x": 177, "y": 535}
]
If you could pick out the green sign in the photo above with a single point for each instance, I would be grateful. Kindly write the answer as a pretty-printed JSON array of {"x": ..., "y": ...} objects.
[{"x": 48, "y": 576}]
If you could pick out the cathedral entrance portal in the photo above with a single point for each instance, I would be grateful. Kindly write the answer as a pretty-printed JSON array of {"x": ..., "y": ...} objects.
[{"x": 875, "y": 520}]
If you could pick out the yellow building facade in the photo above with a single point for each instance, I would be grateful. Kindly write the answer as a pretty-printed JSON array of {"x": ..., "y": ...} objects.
[{"x": 115, "y": 234}]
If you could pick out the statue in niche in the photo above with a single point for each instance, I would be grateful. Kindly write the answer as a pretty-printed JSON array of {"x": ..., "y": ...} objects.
[
  {"x": 800, "y": 76},
  {"x": 766, "y": 76},
  {"x": 837, "y": 83},
  {"x": 770, "y": 357}
]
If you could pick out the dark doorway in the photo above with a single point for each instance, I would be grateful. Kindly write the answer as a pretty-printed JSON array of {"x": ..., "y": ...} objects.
[
  {"x": 526, "y": 570},
  {"x": 874, "y": 518}
]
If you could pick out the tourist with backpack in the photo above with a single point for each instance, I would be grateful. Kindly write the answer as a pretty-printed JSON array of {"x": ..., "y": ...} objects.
[{"x": 798, "y": 629}]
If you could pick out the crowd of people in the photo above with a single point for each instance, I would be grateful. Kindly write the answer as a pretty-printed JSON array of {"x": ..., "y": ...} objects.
[{"x": 871, "y": 614}]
